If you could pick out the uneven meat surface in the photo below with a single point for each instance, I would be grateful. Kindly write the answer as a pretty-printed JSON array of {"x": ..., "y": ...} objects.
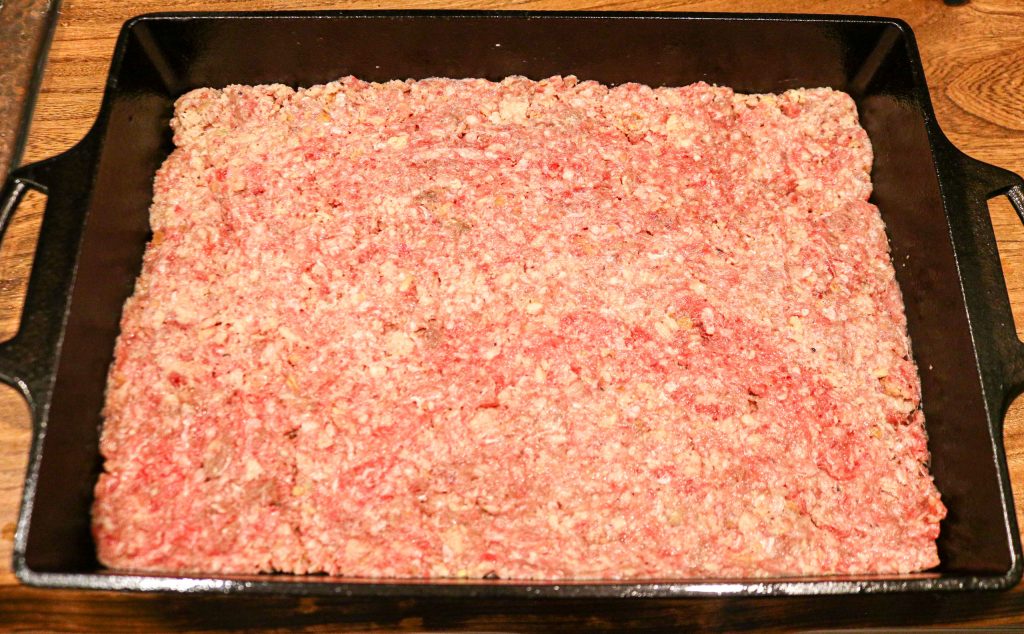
[{"x": 538, "y": 330}]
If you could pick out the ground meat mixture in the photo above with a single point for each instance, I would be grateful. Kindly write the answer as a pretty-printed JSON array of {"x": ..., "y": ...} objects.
[{"x": 532, "y": 330}]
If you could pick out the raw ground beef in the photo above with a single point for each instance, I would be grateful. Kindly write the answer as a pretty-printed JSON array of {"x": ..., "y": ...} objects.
[{"x": 538, "y": 330}]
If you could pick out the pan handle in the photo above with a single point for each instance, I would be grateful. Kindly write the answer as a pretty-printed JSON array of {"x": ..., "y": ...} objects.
[
  {"x": 984, "y": 286},
  {"x": 27, "y": 359},
  {"x": 1016, "y": 195}
]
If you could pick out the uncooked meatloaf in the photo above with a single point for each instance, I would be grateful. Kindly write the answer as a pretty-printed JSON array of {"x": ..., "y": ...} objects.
[{"x": 526, "y": 329}]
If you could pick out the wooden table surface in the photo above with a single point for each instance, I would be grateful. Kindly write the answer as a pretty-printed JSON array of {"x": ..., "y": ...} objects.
[{"x": 973, "y": 53}]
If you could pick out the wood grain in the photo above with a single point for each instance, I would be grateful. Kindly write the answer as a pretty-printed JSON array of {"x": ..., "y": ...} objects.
[{"x": 974, "y": 61}]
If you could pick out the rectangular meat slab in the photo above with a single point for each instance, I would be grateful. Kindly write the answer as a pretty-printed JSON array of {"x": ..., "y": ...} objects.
[{"x": 526, "y": 329}]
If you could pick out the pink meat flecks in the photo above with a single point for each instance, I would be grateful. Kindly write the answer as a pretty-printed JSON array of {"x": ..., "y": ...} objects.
[{"x": 539, "y": 330}]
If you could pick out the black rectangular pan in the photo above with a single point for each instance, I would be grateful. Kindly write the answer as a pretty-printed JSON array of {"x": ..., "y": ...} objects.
[{"x": 931, "y": 196}]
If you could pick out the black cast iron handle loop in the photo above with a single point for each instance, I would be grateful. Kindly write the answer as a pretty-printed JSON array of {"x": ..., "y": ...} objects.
[
  {"x": 14, "y": 190},
  {"x": 984, "y": 286},
  {"x": 1016, "y": 195},
  {"x": 27, "y": 360}
]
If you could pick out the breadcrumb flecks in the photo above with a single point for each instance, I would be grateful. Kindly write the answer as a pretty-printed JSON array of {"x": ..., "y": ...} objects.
[{"x": 537, "y": 330}]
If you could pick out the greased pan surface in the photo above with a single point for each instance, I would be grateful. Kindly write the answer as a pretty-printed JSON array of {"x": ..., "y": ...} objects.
[{"x": 932, "y": 199}]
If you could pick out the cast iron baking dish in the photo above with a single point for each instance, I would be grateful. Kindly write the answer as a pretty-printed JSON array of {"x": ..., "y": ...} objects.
[{"x": 932, "y": 198}]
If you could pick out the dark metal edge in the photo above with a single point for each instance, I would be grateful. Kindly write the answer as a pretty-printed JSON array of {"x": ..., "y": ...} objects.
[{"x": 513, "y": 590}]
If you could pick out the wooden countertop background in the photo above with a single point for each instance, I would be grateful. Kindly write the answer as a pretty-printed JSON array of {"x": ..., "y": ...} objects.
[{"x": 973, "y": 53}]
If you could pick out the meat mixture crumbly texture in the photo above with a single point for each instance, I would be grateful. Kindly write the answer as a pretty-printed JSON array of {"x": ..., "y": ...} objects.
[{"x": 533, "y": 330}]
